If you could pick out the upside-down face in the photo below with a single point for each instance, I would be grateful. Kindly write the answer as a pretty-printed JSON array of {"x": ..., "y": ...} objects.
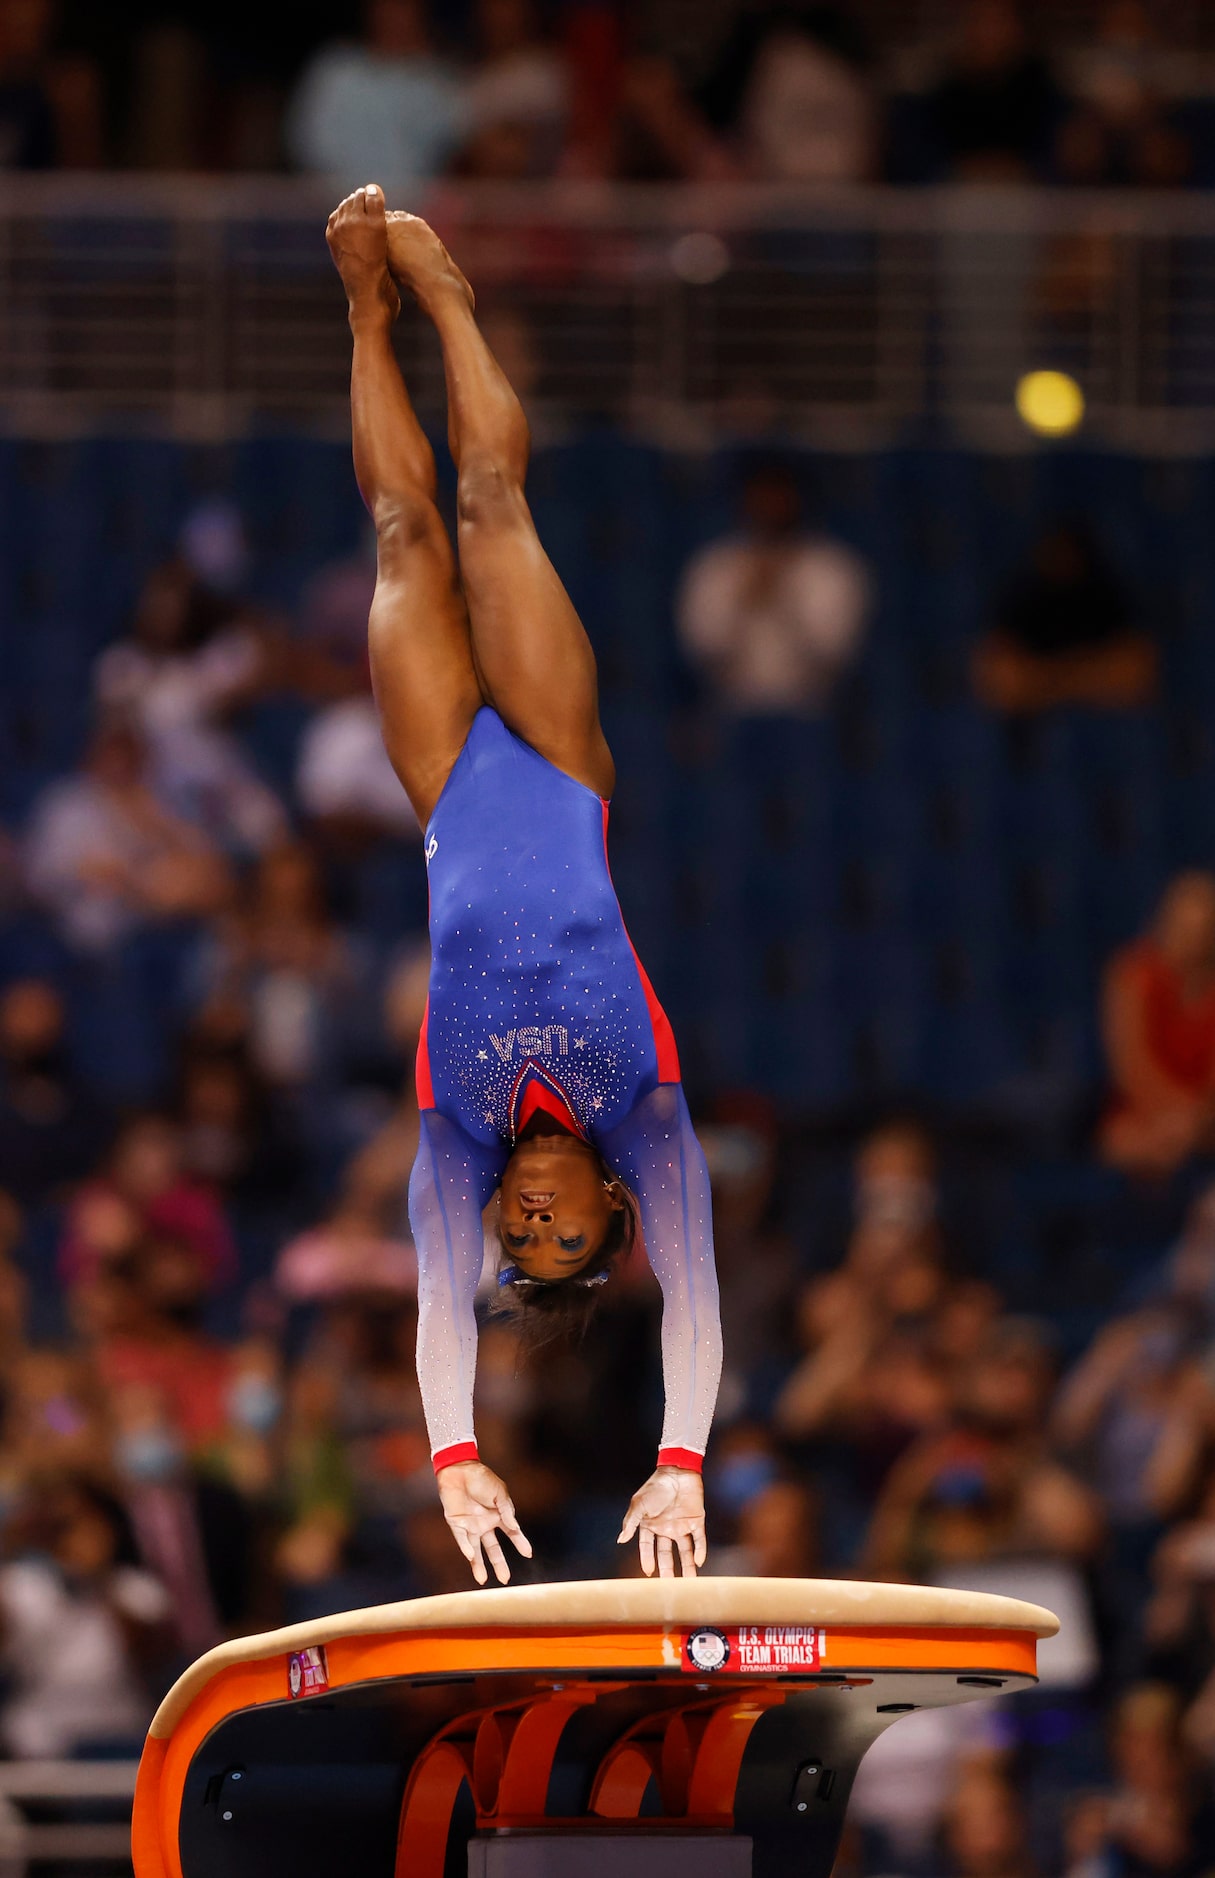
[{"x": 555, "y": 1207}]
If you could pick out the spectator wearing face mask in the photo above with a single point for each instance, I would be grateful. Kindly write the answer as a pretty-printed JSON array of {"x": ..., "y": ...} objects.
[{"x": 192, "y": 1528}]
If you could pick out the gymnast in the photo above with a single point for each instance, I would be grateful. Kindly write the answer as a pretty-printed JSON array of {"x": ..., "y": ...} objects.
[{"x": 547, "y": 1070}]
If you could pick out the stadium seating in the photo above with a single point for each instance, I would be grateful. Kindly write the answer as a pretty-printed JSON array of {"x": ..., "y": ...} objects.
[{"x": 906, "y": 899}]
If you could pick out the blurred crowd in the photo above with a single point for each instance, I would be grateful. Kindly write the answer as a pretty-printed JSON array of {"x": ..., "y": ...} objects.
[
  {"x": 209, "y": 1415},
  {"x": 809, "y": 91}
]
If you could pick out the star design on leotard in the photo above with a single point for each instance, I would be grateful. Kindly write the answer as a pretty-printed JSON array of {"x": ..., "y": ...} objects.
[
  {"x": 596, "y": 1102},
  {"x": 489, "y": 1115},
  {"x": 483, "y": 1056},
  {"x": 580, "y": 1043}
]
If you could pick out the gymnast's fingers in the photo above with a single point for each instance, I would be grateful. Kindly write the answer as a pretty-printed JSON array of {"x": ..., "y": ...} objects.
[
  {"x": 632, "y": 1520},
  {"x": 518, "y": 1537},
  {"x": 701, "y": 1551},
  {"x": 493, "y": 1552},
  {"x": 645, "y": 1547},
  {"x": 504, "y": 1506},
  {"x": 686, "y": 1560},
  {"x": 666, "y": 1558},
  {"x": 471, "y": 1549}
]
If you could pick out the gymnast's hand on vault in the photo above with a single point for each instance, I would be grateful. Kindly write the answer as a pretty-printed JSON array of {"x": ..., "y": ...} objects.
[
  {"x": 475, "y": 1505},
  {"x": 668, "y": 1511}
]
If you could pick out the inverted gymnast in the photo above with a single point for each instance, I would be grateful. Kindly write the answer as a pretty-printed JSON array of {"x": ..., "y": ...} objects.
[{"x": 547, "y": 1070}]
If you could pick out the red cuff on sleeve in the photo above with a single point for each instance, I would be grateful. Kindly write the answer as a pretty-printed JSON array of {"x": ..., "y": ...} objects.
[
  {"x": 681, "y": 1457},
  {"x": 451, "y": 1457}
]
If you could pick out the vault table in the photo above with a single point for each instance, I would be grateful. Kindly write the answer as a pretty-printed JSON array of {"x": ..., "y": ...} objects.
[{"x": 671, "y": 1717}]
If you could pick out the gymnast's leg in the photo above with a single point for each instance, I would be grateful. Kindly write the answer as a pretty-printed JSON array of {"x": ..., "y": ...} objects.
[
  {"x": 532, "y": 654},
  {"x": 422, "y": 663}
]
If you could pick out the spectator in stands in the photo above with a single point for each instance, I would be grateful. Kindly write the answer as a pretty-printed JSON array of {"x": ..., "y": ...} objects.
[
  {"x": 789, "y": 99},
  {"x": 1133, "y": 1408},
  {"x": 876, "y": 1332},
  {"x": 80, "y": 1623},
  {"x": 193, "y": 1529},
  {"x": 285, "y": 970},
  {"x": 994, "y": 111},
  {"x": 53, "y": 1423},
  {"x": 330, "y": 645},
  {"x": 235, "y": 1138},
  {"x": 1065, "y": 633},
  {"x": 344, "y": 1254},
  {"x": 50, "y": 103},
  {"x": 986, "y": 1486},
  {"x": 1159, "y": 1817},
  {"x": 51, "y": 1131},
  {"x": 773, "y": 614},
  {"x": 872, "y": 1378},
  {"x": 386, "y": 107},
  {"x": 895, "y": 1178},
  {"x": 190, "y": 660},
  {"x": 985, "y": 1829},
  {"x": 777, "y": 1533},
  {"x": 1159, "y": 1026},
  {"x": 144, "y": 1194},
  {"x": 105, "y": 854},
  {"x": 1179, "y": 1623},
  {"x": 357, "y": 1455},
  {"x": 755, "y": 1263},
  {"x": 517, "y": 100},
  {"x": 344, "y": 781},
  {"x": 1118, "y": 132},
  {"x": 377, "y": 1178}
]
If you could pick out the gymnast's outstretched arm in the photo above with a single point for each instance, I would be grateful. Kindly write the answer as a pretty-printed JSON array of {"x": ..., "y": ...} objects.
[
  {"x": 451, "y": 1183},
  {"x": 656, "y": 1152}
]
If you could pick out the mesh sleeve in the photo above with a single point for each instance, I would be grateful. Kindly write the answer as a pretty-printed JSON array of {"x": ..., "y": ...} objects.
[
  {"x": 451, "y": 1183},
  {"x": 655, "y": 1151}
]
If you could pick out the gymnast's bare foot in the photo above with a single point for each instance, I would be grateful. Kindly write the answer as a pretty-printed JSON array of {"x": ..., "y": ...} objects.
[
  {"x": 357, "y": 233},
  {"x": 418, "y": 260}
]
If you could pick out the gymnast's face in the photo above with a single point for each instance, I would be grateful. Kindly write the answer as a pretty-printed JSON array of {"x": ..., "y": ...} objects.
[{"x": 555, "y": 1207}]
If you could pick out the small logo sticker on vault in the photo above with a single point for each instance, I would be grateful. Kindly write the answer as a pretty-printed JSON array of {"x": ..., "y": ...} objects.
[
  {"x": 755, "y": 1649},
  {"x": 307, "y": 1671},
  {"x": 707, "y": 1650}
]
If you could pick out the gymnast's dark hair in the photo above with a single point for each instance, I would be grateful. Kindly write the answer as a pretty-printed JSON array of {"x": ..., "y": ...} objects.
[{"x": 544, "y": 1309}]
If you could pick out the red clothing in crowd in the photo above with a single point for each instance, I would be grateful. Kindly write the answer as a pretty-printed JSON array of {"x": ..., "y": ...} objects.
[
  {"x": 1178, "y": 1031},
  {"x": 188, "y": 1213}
]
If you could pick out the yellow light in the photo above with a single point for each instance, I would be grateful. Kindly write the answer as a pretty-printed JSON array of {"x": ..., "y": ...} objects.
[{"x": 1050, "y": 403}]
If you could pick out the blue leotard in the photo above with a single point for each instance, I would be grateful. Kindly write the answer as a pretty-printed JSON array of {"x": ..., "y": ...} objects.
[{"x": 537, "y": 999}]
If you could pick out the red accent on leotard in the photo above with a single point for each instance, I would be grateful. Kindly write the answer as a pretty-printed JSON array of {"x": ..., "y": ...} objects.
[
  {"x": 539, "y": 1095},
  {"x": 426, "y": 1091}
]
